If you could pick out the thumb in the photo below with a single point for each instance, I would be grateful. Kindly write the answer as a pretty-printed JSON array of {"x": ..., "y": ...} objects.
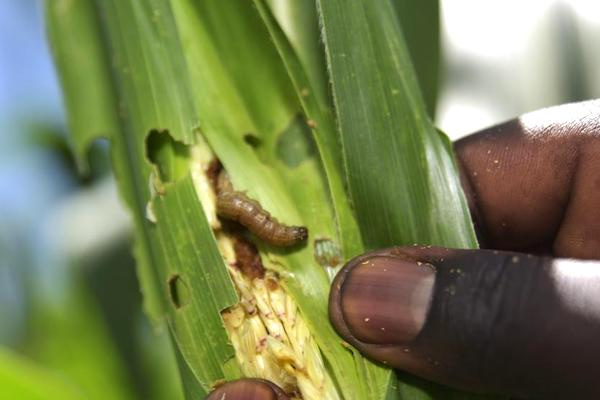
[
  {"x": 481, "y": 320},
  {"x": 248, "y": 389}
]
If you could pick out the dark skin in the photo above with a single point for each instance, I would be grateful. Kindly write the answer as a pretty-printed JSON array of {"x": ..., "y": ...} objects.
[{"x": 520, "y": 320}]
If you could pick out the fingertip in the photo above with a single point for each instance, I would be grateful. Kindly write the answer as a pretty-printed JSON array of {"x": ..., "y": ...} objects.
[
  {"x": 487, "y": 312},
  {"x": 374, "y": 287},
  {"x": 248, "y": 389},
  {"x": 336, "y": 315},
  {"x": 370, "y": 339}
]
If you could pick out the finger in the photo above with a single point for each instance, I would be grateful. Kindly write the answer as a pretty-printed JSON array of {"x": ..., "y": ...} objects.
[
  {"x": 533, "y": 183},
  {"x": 248, "y": 389},
  {"x": 482, "y": 320}
]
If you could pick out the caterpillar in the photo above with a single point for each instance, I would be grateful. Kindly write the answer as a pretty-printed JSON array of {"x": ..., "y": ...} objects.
[{"x": 236, "y": 206}]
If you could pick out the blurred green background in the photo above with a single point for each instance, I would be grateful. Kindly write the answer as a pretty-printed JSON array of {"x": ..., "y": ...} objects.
[{"x": 70, "y": 307}]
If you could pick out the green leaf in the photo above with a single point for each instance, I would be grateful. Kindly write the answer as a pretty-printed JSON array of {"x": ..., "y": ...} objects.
[
  {"x": 150, "y": 76},
  {"x": 84, "y": 72},
  {"x": 294, "y": 190},
  {"x": 318, "y": 105},
  {"x": 400, "y": 173},
  {"x": 420, "y": 23},
  {"x": 211, "y": 72},
  {"x": 22, "y": 379},
  {"x": 84, "y": 66},
  {"x": 299, "y": 23},
  {"x": 401, "y": 178},
  {"x": 308, "y": 79},
  {"x": 183, "y": 277}
]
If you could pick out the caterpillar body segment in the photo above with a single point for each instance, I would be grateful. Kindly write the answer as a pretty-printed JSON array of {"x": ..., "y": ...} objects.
[{"x": 237, "y": 206}]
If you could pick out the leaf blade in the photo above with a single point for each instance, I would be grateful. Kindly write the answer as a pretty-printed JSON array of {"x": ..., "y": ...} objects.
[
  {"x": 384, "y": 127},
  {"x": 400, "y": 172},
  {"x": 420, "y": 25},
  {"x": 84, "y": 73},
  {"x": 315, "y": 100},
  {"x": 148, "y": 89}
]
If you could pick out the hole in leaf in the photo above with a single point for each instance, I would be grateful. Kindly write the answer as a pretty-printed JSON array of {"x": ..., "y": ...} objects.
[
  {"x": 253, "y": 140},
  {"x": 178, "y": 291},
  {"x": 170, "y": 157}
]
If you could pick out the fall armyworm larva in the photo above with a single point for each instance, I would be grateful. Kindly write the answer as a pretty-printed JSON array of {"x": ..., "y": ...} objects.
[{"x": 238, "y": 207}]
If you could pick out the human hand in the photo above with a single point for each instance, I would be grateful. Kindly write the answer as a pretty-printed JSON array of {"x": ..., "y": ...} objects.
[{"x": 488, "y": 320}]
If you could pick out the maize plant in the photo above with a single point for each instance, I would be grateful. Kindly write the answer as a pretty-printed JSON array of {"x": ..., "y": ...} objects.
[{"x": 286, "y": 111}]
